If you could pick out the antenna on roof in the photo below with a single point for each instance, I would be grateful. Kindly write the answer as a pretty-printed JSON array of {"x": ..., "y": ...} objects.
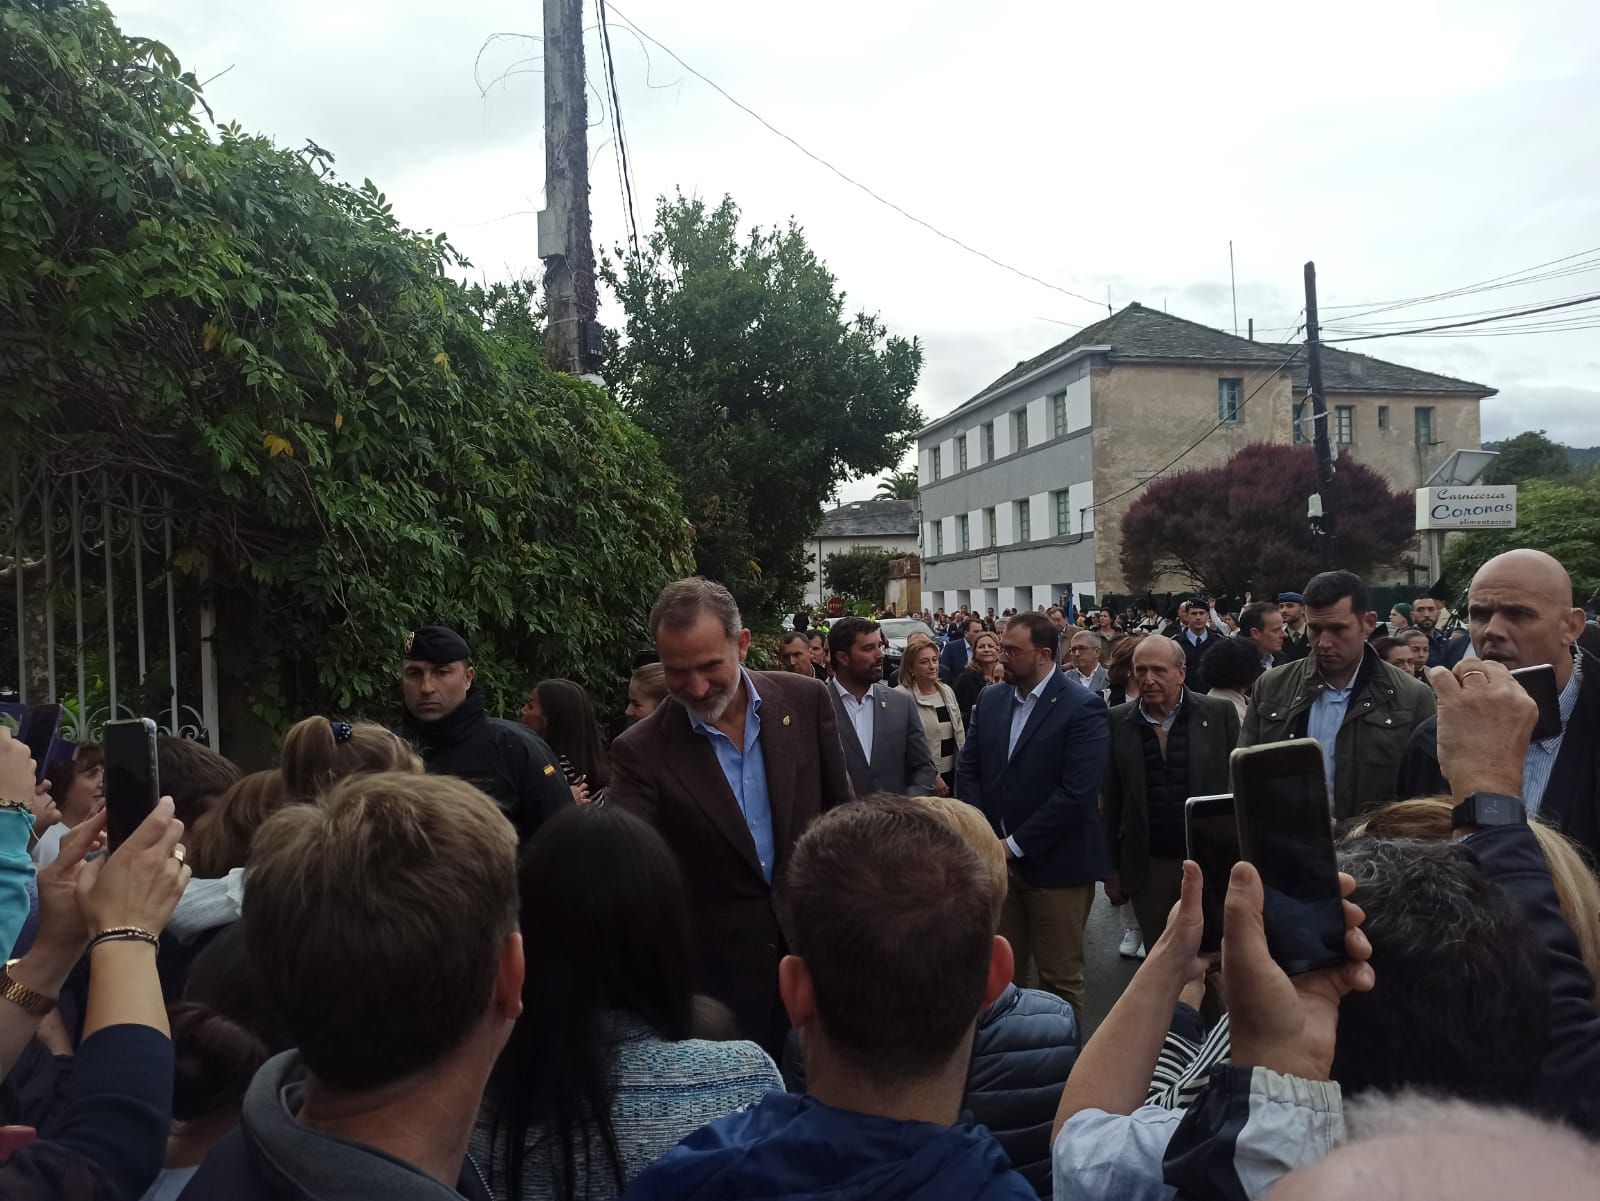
[
  {"x": 1109, "y": 309},
  {"x": 1233, "y": 283}
]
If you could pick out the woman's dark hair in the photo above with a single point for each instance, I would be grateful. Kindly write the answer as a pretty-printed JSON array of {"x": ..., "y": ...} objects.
[
  {"x": 599, "y": 940},
  {"x": 223, "y": 843},
  {"x": 65, "y": 772},
  {"x": 1119, "y": 672},
  {"x": 1230, "y": 663},
  {"x": 572, "y": 731},
  {"x": 223, "y": 1030}
]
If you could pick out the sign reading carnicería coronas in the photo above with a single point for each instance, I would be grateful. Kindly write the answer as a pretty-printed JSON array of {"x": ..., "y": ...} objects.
[{"x": 1479, "y": 507}]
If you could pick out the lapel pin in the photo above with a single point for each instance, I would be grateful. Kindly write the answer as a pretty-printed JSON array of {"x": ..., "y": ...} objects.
[
  {"x": 1204, "y": 725},
  {"x": 883, "y": 704},
  {"x": 785, "y": 719}
]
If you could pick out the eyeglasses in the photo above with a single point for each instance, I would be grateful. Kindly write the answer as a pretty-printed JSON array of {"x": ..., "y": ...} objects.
[{"x": 1007, "y": 651}]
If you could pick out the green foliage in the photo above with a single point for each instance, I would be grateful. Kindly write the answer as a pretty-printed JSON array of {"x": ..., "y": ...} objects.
[
  {"x": 858, "y": 575},
  {"x": 1561, "y": 519},
  {"x": 901, "y": 485},
  {"x": 739, "y": 359},
  {"x": 358, "y": 442},
  {"x": 1530, "y": 455}
]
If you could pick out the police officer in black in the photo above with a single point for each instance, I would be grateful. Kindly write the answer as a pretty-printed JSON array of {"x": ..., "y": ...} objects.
[{"x": 446, "y": 721}]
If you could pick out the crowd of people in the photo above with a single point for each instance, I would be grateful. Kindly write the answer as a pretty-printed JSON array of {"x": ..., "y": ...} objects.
[{"x": 819, "y": 931}]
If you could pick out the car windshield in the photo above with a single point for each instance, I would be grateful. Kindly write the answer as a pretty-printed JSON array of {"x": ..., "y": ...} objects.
[{"x": 899, "y": 629}]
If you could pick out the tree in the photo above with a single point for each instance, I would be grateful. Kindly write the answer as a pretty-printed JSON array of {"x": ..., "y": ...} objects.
[
  {"x": 1242, "y": 526},
  {"x": 739, "y": 359},
  {"x": 357, "y": 442},
  {"x": 1561, "y": 519},
  {"x": 1528, "y": 456},
  {"x": 859, "y": 574},
  {"x": 901, "y": 485}
]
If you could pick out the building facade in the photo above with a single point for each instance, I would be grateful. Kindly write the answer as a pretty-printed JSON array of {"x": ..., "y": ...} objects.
[
  {"x": 1023, "y": 487},
  {"x": 887, "y": 525}
]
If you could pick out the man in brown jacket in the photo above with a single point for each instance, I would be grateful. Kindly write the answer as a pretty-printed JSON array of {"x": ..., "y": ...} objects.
[{"x": 730, "y": 768}]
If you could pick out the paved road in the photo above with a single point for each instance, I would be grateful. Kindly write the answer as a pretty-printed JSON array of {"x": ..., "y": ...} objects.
[{"x": 1105, "y": 972}]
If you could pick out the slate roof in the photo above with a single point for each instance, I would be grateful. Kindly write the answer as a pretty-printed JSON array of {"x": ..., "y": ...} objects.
[
  {"x": 1140, "y": 334},
  {"x": 870, "y": 519}
]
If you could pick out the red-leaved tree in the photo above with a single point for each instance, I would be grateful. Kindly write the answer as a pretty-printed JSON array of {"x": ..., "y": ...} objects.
[{"x": 1242, "y": 526}]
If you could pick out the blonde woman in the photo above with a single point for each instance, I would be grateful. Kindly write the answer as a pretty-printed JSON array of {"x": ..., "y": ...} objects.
[
  {"x": 985, "y": 668},
  {"x": 936, "y": 705}
]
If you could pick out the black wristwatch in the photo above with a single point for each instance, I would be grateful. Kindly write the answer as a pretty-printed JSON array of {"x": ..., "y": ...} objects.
[{"x": 1489, "y": 809}]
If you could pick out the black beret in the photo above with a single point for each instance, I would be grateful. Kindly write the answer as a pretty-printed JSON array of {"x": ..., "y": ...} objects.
[{"x": 436, "y": 644}]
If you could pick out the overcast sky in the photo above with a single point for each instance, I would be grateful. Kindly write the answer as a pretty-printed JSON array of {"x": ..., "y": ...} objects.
[{"x": 1408, "y": 148}]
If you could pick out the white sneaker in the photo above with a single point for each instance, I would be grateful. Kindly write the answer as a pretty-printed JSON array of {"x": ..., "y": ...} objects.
[
  {"x": 1130, "y": 944},
  {"x": 1140, "y": 955}
]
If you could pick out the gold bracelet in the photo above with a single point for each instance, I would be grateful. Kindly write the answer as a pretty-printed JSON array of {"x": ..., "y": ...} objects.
[
  {"x": 125, "y": 934},
  {"x": 19, "y": 806}
]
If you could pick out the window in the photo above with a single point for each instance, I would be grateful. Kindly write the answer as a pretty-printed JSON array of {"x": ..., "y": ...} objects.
[
  {"x": 1228, "y": 393},
  {"x": 1063, "y": 513},
  {"x": 1424, "y": 427},
  {"x": 1019, "y": 421},
  {"x": 991, "y": 528},
  {"x": 938, "y": 468},
  {"x": 988, "y": 442},
  {"x": 1302, "y": 424},
  {"x": 1058, "y": 414},
  {"x": 938, "y": 537},
  {"x": 1024, "y": 522},
  {"x": 964, "y": 531},
  {"x": 1383, "y": 417},
  {"x": 1344, "y": 420},
  {"x": 961, "y": 451}
]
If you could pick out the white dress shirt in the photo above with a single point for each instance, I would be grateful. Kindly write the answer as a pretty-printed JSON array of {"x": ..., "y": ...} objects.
[{"x": 861, "y": 715}]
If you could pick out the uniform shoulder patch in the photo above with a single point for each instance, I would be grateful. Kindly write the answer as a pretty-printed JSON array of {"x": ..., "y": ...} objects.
[{"x": 549, "y": 769}]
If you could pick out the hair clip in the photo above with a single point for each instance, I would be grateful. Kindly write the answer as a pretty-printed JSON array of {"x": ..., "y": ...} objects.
[{"x": 342, "y": 730}]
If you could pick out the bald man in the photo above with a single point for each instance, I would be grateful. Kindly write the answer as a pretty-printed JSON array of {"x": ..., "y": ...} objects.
[{"x": 1521, "y": 613}]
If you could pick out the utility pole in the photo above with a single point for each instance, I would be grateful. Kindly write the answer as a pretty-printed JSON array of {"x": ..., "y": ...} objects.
[
  {"x": 571, "y": 299},
  {"x": 1321, "y": 511}
]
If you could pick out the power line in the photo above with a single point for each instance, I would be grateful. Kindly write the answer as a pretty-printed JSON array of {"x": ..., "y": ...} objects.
[
  {"x": 616, "y": 120},
  {"x": 1348, "y": 325},
  {"x": 1271, "y": 372},
  {"x": 855, "y": 183},
  {"x": 1510, "y": 279},
  {"x": 1428, "y": 329}
]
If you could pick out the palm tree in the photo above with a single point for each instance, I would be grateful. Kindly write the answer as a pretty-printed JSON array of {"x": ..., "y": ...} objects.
[{"x": 900, "y": 485}]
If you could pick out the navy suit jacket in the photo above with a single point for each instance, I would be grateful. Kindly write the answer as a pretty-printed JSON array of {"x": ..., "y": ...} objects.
[
  {"x": 1046, "y": 794},
  {"x": 953, "y": 659}
]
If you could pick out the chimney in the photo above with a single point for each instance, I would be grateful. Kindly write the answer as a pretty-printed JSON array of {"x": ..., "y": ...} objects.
[{"x": 1252, "y": 329}]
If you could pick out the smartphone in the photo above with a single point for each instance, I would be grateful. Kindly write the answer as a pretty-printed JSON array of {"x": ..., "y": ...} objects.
[
  {"x": 133, "y": 784},
  {"x": 1213, "y": 838},
  {"x": 42, "y": 733},
  {"x": 1540, "y": 683},
  {"x": 1280, "y": 800}
]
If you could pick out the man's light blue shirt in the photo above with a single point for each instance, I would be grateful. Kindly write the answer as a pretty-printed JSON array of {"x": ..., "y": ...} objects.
[
  {"x": 746, "y": 772},
  {"x": 1324, "y": 722},
  {"x": 1541, "y": 758},
  {"x": 1022, "y": 708}
]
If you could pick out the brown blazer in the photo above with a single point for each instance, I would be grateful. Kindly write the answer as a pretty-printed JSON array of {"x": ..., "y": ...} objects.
[{"x": 665, "y": 773}]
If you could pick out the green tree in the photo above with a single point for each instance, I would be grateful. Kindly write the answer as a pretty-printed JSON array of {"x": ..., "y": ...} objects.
[
  {"x": 739, "y": 358},
  {"x": 1528, "y": 456},
  {"x": 357, "y": 443},
  {"x": 901, "y": 485},
  {"x": 859, "y": 574},
  {"x": 1561, "y": 519}
]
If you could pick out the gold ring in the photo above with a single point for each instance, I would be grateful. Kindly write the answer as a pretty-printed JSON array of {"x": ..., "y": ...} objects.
[
  {"x": 179, "y": 853},
  {"x": 1473, "y": 672}
]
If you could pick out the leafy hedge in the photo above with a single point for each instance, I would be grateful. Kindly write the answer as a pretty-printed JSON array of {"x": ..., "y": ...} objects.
[{"x": 360, "y": 442}]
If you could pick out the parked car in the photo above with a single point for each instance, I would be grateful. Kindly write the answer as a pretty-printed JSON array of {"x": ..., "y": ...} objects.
[{"x": 895, "y": 631}]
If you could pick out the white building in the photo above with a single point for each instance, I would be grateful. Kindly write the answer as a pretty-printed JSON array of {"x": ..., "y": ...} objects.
[{"x": 889, "y": 525}]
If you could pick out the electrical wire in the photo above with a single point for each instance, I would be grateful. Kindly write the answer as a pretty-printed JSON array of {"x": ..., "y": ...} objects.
[
  {"x": 1493, "y": 283},
  {"x": 1428, "y": 329},
  {"x": 855, "y": 183},
  {"x": 616, "y": 118},
  {"x": 1270, "y": 373}
]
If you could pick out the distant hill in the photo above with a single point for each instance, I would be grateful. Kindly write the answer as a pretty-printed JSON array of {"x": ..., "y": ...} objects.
[{"x": 1580, "y": 459}]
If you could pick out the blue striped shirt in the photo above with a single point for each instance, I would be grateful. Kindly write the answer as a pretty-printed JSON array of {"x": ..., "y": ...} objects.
[{"x": 1541, "y": 760}]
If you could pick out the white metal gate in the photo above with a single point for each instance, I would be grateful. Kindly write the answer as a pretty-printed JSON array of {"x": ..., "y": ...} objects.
[{"x": 104, "y": 622}]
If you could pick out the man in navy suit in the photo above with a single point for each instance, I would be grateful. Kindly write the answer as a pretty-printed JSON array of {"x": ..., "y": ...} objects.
[
  {"x": 1035, "y": 754},
  {"x": 957, "y": 652}
]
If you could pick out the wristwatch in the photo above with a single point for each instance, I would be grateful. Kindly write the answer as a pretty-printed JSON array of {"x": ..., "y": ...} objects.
[
  {"x": 1489, "y": 809},
  {"x": 21, "y": 995}
]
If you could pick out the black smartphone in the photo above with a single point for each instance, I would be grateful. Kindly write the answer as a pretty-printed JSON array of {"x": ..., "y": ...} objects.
[
  {"x": 1280, "y": 799},
  {"x": 42, "y": 733},
  {"x": 1213, "y": 838},
  {"x": 133, "y": 784},
  {"x": 1540, "y": 683}
]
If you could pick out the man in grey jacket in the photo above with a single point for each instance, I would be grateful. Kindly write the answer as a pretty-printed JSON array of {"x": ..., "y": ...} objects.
[{"x": 885, "y": 749}]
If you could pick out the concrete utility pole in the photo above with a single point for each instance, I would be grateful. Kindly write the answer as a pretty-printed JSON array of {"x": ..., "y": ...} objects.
[
  {"x": 1322, "y": 502},
  {"x": 572, "y": 343}
]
